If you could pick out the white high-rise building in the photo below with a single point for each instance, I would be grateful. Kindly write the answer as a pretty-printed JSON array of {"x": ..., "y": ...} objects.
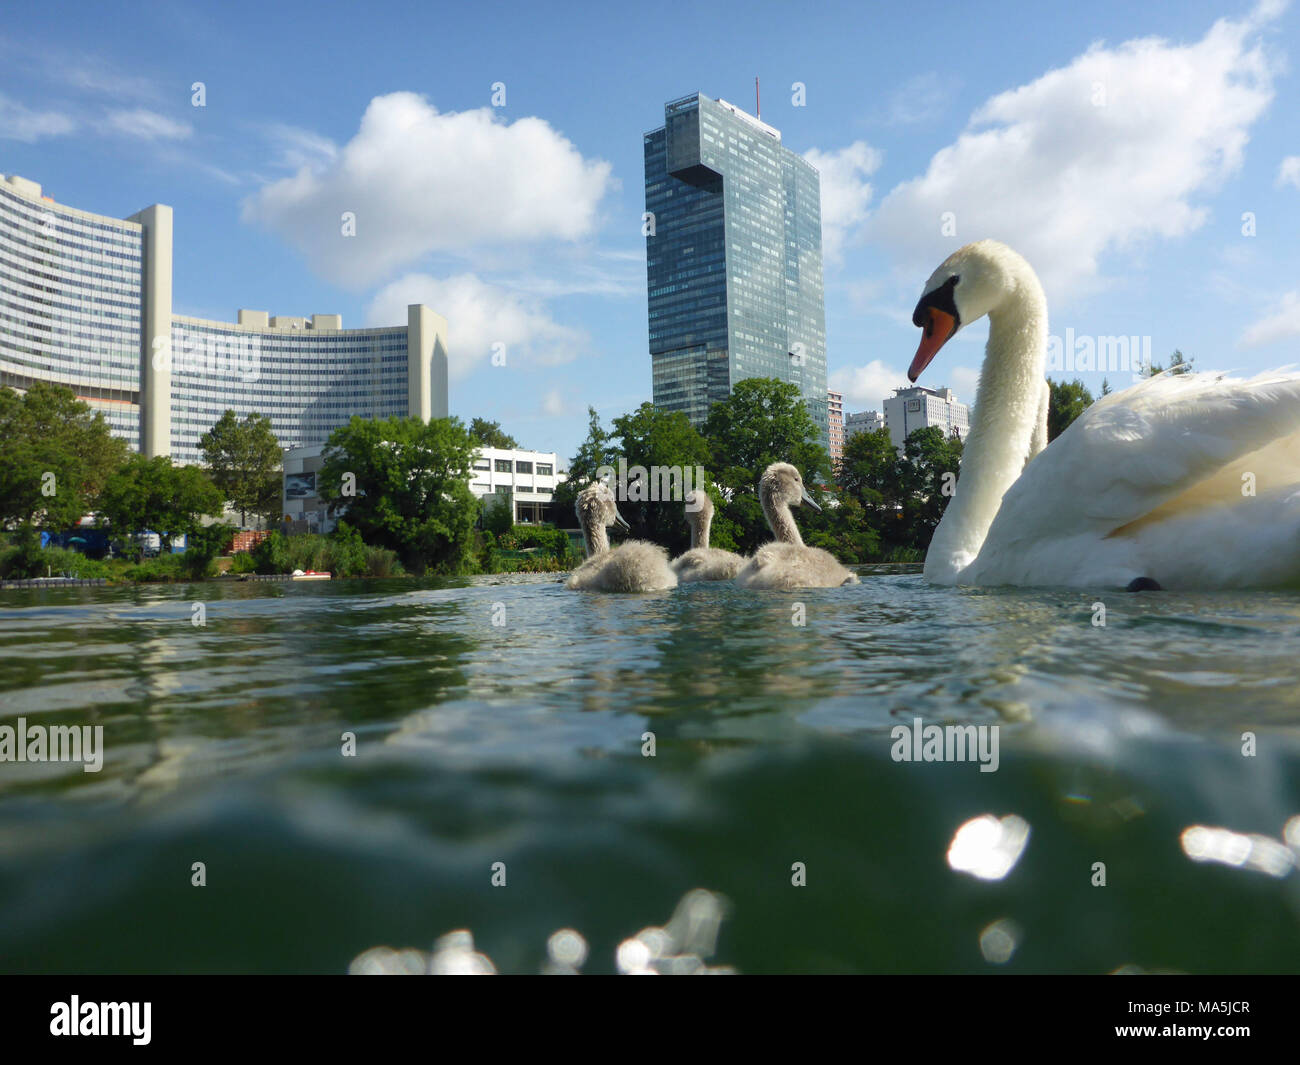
[
  {"x": 86, "y": 302},
  {"x": 910, "y": 409},
  {"x": 866, "y": 421}
]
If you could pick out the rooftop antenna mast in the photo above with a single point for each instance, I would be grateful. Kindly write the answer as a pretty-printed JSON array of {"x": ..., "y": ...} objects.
[{"x": 758, "y": 101}]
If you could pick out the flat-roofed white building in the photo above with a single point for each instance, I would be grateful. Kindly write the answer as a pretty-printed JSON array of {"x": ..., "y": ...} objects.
[
  {"x": 529, "y": 477},
  {"x": 866, "y": 421},
  {"x": 910, "y": 409},
  {"x": 526, "y": 478}
]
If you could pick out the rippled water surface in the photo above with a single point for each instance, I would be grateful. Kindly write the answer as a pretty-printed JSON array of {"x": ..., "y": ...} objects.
[{"x": 501, "y": 720}]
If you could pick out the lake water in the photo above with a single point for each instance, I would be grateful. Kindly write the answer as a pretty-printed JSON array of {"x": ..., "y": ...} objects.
[{"x": 501, "y": 720}]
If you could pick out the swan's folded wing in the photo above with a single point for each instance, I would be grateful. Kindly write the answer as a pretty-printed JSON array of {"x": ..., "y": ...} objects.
[{"x": 1135, "y": 450}]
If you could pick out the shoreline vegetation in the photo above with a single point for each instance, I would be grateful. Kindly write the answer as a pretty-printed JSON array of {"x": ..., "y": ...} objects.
[{"x": 400, "y": 490}]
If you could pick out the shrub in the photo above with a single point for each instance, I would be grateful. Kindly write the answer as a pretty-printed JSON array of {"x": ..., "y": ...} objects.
[
  {"x": 381, "y": 562},
  {"x": 307, "y": 551},
  {"x": 345, "y": 552},
  {"x": 272, "y": 555},
  {"x": 243, "y": 562},
  {"x": 161, "y": 568}
]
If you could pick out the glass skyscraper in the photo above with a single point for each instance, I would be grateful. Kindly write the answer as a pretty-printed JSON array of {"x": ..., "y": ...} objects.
[{"x": 733, "y": 259}]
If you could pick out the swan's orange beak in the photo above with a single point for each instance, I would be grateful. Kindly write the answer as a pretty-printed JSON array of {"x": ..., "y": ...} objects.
[{"x": 939, "y": 328}]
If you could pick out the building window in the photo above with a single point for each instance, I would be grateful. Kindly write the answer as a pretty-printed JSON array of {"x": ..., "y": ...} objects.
[
  {"x": 503, "y": 466},
  {"x": 544, "y": 469},
  {"x": 482, "y": 464},
  {"x": 523, "y": 467}
]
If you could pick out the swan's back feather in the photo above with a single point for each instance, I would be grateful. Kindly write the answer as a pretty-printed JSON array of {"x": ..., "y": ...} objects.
[
  {"x": 635, "y": 566},
  {"x": 707, "y": 564},
  {"x": 1165, "y": 453},
  {"x": 788, "y": 566}
]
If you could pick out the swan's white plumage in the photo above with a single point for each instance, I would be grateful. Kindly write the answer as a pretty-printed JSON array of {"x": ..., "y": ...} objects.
[
  {"x": 1147, "y": 482},
  {"x": 787, "y": 562},
  {"x": 635, "y": 566},
  {"x": 702, "y": 562}
]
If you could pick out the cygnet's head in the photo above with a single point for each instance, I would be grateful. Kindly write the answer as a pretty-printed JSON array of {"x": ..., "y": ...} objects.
[
  {"x": 596, "y": 506},
  {"x": 699, "y": 507},
  {"x": 782, "y": 483},
  {"x": 969, "y": 284}
]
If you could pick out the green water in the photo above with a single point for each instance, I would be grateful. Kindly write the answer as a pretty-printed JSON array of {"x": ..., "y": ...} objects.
[{"x": 521, "y": 743}]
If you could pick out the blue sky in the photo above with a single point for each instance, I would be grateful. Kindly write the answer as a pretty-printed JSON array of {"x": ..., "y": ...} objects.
[{"x": 1117, "y": 146}]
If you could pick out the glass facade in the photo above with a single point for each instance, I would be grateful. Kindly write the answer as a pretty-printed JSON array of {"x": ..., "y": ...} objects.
[
  {"x": 308, "y": 382},
  {"x": 734, "y": 264},
  {"x": 70, "y": 302}
]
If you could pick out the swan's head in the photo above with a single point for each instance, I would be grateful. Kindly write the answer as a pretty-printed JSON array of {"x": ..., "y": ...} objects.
[
  {"x": 972, "y": 282},
  {"x": 596, "y": 506},
  {"x": 699, "y": 507},
  {"x": 782, "y": 483}
]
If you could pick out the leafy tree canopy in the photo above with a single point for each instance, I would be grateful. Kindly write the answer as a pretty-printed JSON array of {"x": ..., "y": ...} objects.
[
  {"x": 490, "y": 434},
  {"x": 56, "y": 454},
  {"x": 245, "y": 459},
  {"x": 1066, "y": 402},
  {"x": 405, "y": 485},
  {"x": 152, "y": 494},
  {"x": 661, "y": 442},
  {"x": 596, "y": 451}
]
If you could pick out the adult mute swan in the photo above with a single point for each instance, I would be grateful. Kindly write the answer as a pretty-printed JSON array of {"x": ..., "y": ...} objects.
[
  {"x": 1179, "y": 482},
  {"x": 702, "y": 562},
  {"x": 787, "y": 562},
  {"x": 635, "y": 566}
]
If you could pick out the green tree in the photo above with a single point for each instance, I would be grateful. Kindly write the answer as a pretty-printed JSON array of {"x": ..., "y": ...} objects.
[
  {"x": 653, "y": 438},
  {"x": 245, "y": 460},
  {"x": 594, "y": 452},
  {"x": 1177, "y": 365},
  {"x": 152, "y": 494},
  {"x": 56, "y": 454},
  {"x": 490, "y": 434},
  {"x": 1066, "y": 402},
  {"x": 930, "y": 463},
  {"x": 411, "y": 481},
  {"x": 763, "y": 421},
  {"x": 870, "y": 472}
]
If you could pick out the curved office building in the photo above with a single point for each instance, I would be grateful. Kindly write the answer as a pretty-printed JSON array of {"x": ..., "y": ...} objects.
[{"x": 86, "y": 302}]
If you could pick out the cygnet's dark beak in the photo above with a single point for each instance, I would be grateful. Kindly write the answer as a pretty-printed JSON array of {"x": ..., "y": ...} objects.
[{"x": 810, "y": 501}]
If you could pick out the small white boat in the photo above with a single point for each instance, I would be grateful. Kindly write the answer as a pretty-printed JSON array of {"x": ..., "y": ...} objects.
[{"x": 309, "y": 575}]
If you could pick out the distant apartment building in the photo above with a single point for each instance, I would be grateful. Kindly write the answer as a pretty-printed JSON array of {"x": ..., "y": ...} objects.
[
  {"x": 910, "y": 409},
  {"x": 86, "y": 302},
  {"x": 733, "y": 260},
  {"x": 529, "y": 478},
  {"x": 867, "y": 421},
  {"x": 526, "y": 479},
  {"x": 835, "y": 424}
]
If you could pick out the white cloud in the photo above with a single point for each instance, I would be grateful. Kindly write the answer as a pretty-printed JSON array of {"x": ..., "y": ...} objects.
[
  {"x": 920, "y": 99},
  {"x": 964, "y": 380},
  {"x": 148, "y": 125},
  {"x": 1282, "y": 325},
  {"x": 297, "y": 148},
  {"x": 846, "y": 193},
  {"x": 554, "y": 404},
  {"x": 480, "y": 315},
  {"x": 1115, "y": 147},
  {"x": 1289, "y": 172},
  {"x": 866, "y": 387},
  {"x": 420, "y": 181},
  {"x": 19, "y": 123}
]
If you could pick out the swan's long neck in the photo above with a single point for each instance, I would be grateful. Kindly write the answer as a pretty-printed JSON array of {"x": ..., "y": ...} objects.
[
  {"x": 781, "y": 522},
  {"x": 700, "y": 530},
  {"x": 594, "y": 537},
  {"x": 1002, "y": 425}
]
